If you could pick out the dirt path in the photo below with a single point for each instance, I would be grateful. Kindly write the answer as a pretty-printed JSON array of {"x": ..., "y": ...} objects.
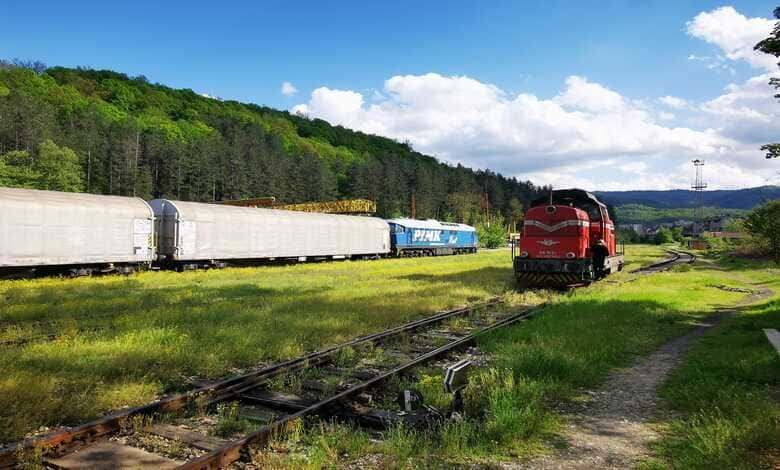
[{"x": 610, "y": 430}]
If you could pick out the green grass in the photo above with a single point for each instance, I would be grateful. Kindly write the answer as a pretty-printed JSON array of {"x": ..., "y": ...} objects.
[
  {"x": 572, "y": 345},
  {"x": 162, "y": 328},
  {"x": 727, "y": 389},
  {"x": 166, "y": 327}
]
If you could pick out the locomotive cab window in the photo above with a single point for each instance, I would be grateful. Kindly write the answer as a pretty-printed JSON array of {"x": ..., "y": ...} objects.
[{"x": 593, "y": 211}]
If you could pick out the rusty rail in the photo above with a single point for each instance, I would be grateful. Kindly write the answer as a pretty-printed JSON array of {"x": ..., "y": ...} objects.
[
  {"x": 231, "y": 451},
  {"x": 220, "y": 390},
  {"x": 677, "y": 258}
]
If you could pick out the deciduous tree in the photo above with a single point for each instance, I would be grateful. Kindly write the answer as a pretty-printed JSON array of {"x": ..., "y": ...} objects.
[
  {"x": 763, "y": 223},
  {"x": 58, "y": 167},
  {"x": 16, "y": 170},
  {"x": 771, "y": 45}
]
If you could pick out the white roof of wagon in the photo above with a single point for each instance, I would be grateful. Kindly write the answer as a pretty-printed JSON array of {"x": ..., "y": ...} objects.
[
  {"x": 32, "y": 198},
  {"x": 203, "y": 211},
  {"x": 432, "y": 224}
]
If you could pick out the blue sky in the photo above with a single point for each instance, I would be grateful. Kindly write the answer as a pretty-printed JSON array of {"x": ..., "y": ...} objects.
[{"x": 642, "y": 51}]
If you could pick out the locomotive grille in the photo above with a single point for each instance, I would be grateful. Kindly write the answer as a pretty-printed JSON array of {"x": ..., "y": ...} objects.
[{"x": 549, "y": 279}]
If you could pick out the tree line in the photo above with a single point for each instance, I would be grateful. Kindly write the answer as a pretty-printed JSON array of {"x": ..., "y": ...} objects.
[{"x": 106, "y": 133}]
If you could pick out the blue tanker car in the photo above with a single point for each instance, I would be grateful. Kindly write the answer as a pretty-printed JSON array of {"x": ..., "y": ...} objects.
[{"x": 410, "y": 237}]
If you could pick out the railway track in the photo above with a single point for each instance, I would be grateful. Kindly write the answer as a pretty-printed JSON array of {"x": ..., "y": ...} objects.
[
  {"x": 677, "y": 257},
  {"x": 324, "y": 383},
  {"x": 272, "y": 398}
]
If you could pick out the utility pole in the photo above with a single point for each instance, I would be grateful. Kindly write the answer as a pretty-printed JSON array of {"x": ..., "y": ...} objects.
[
  {"x": 414, "y": 205},
  {"x": 698, "y": 187},
  {"x": 135, "y": 168},
  {"x": 89, "y": 169}
]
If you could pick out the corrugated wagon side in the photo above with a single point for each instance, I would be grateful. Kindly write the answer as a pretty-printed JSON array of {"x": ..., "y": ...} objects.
[
  {"x": 75, "y": 231},
  {"x": 210, "y": 233}
]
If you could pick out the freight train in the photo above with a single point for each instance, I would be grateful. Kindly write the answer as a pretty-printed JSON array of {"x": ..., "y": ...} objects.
[
  {"x": 81, "y": 234},
  {"x": 567, "y": 239}
]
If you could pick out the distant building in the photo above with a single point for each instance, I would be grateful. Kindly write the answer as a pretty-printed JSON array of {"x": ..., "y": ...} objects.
[
  {"x": 717, "y": 224},
  {"x": 697, "y": 244},
  {"x": 682, "y": 223},
  {"x": 711, "y": 224},
  {"x": 637, "y": 228}
]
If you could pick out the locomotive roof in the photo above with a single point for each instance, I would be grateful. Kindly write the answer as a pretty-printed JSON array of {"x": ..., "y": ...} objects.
[
  {"x": 431, "y": 224},
  {"x": 575, "y": 197}
]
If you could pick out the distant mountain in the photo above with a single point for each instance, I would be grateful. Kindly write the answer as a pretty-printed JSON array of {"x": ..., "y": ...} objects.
[
  {"x": 641, "y": 214},
  {"x": 680, "y": 198}
]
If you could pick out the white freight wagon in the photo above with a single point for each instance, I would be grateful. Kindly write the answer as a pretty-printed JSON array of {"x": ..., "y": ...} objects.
[
  {"x": 51, "y": 228},
  {"x": 192, "y": 231}
]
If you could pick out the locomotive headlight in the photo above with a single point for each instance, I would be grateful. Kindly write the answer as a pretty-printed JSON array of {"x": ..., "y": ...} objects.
[
  {"x": 570, "y": 255},
  {"x": 524, "y": 254}
]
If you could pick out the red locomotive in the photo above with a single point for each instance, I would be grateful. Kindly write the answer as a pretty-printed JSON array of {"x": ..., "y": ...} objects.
[{"x": 567, "y": 239}]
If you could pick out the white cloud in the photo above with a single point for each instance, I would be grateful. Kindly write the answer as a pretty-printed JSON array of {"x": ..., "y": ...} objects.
[
  {"x": 673, "y": 102},
  {"x": 729, "y": 175},
  {"x": 585, "y": 127},
  {"x": 300, "y": 109},
  {"x": 589, "y": 96},
  {"x": 746, "y": 111},
  {"x": 288, "y": 89},
  {"x": 717, "y": 63},
  {"x": 587, "y": 135},
  {"x": 734, "y": 34}
]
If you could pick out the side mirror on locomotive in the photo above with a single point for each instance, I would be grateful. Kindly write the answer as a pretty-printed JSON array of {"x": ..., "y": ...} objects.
[{"x": 567, "y": 239}]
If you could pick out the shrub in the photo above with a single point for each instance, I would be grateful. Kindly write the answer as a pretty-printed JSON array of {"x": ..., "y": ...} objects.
[
  {"x": 663, "y": 236},
  {"x": 492, "y": 234}
]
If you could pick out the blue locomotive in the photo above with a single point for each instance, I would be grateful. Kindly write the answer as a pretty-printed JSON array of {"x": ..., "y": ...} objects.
[{"x": 411, "y": 237}]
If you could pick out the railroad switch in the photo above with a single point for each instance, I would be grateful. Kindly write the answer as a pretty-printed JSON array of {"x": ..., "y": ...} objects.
[{"x": 455, "y": 380}]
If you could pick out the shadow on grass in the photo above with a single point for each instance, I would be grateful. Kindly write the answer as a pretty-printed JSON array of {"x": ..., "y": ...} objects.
[
  {"x": 85, "y": 304},
  {"x": 160, "y": 337},
  {"x": 487, "y": 277}
]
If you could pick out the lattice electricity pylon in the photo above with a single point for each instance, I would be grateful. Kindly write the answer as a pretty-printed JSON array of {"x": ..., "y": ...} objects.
[{"x": 698, "y": 187}]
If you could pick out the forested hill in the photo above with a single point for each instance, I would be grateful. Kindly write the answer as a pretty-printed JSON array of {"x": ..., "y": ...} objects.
[
  {"x": 104, "y": 132},
  {"x": 680, "y": 198}
]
